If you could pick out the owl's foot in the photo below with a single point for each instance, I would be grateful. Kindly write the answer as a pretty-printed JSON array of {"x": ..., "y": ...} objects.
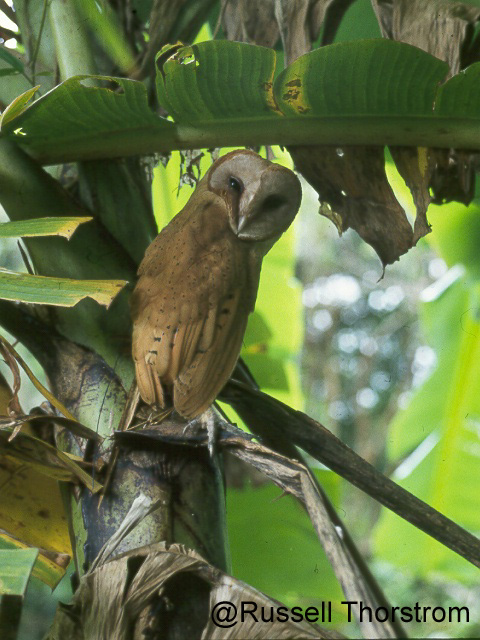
[{"x": 206, "y": 420}]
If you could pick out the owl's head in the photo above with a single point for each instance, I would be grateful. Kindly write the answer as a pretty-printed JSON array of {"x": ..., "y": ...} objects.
[{"x": 262, "y": 198}]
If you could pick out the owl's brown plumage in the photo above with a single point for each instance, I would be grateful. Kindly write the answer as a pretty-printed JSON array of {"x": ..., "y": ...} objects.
[{"x": 199, "y": 279}]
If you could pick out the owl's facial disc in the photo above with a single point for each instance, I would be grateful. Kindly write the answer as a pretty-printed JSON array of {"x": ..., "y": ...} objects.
[
  {"x": 268, "y": 208},
  {"x": 262, "y": 198}
]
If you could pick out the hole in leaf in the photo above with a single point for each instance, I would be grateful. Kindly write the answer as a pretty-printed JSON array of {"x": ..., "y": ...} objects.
[
  {"x": 167, "y": 55},
  {"x": 96, "y": 82},
  {"x": 188, "y": 58}
]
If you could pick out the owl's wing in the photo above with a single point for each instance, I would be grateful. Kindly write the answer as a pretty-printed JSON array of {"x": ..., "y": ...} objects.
[
  {"x": 209, "y": 366},
  {"x": 192, "y": 348}
]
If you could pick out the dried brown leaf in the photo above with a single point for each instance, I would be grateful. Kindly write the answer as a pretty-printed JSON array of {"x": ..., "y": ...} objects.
[
  {"x": 13, "y": 406},
  {"x": 415, "y": 165},
  {"x": 250, "y": 21},
  {"x": 447, "y": 31},
  {"x": 121, "y": 599},
  {"x": 454, "y": 176},
  {"x": 12, "y": 357},
  {"x": 299, "y": 22},
  {"x": 296, "y": 22},
  {"x": 45, "y": 458},
  {"x": 354, "y": 193},
  {"x": 440, "y": 27},
  {"x": 293, "y": 477}
]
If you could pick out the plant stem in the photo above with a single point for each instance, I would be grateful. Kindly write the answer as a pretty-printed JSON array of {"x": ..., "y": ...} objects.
[
  {"x": 39, "y": 40},
  {"x": 74, "y": 53},
  {"x": 443, "y": 132}
]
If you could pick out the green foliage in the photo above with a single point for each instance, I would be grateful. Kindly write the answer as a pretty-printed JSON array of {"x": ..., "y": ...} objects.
[
  {"x": 86, "y": 108},
  {"x": 388, "y": 78},
  {"x": 41, "y": 227},
  {"x": 434, "y": 441},
  {"x": 15, "y": 569},
  {"x": 24, "y": 287},
  {"x": 275, "y": 549},
  {"x": 21, "y": 287},
  {"x": 214, "y": 102},
  {"x": 241, "y": 88},
  {"x": 44, "y": 569},
  {"x": 15, "y": 64}
]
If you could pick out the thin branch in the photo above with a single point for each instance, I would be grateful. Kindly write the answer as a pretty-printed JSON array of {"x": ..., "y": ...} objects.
[{"x": 296, "y": 427}]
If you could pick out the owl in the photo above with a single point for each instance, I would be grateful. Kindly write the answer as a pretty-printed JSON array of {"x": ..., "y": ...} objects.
[{"x": 199, "y": 278}]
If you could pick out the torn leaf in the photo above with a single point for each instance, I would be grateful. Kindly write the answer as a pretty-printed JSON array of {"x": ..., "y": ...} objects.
[
  {"x": 446, "y": 30},
  {"x": 354, "y": 193},
  {"x": 63, "y": 292},
  {"x": 147, "y": 579},
  {"x": 415, "y": 165}
]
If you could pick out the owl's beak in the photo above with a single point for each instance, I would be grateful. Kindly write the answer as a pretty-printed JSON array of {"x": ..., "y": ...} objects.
[
  {"x": 242, "y": 221},
  {"x": 247, "y": 205}
]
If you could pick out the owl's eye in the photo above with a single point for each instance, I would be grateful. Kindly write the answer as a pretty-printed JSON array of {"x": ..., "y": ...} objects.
[{"x": 235, "y": 185}]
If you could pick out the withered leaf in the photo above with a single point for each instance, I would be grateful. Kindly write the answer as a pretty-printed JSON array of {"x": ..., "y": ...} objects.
[
  {"x": 440, "y": 27},
  {"x": 296, "y": 22},
  {"x": 447, "y": 31},
  {"x": 118, "y": 595},
  {"x": 454, "y": 176},
  {"x": 250, "y": 21},
  {"x": 354, "y": 193},
  {"x": 415, "y": 165}
]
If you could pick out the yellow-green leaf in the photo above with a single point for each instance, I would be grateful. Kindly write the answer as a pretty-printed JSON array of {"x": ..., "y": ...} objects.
[
  {"x": 45, "y": 458},
  {"x": 17, "y": 106},
  {"x": 56, "y": 226},
  {"x": 50, "y": 568},
  {"x": 15, "y": 570},
  {"x": 63, "y": 292}
]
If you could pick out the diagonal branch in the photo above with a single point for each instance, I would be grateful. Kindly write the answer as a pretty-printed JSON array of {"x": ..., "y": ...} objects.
[{"x": 259, "y": 410}]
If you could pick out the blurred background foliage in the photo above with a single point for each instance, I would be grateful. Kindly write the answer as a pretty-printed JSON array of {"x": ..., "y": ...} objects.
[{"x": 390, "y": 364}]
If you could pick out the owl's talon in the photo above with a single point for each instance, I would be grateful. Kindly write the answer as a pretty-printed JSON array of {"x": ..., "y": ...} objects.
[
  {"x": 211, "y": 432},
  {"x": 204, "y": 421},
  {"x": 193, "y": 426}
]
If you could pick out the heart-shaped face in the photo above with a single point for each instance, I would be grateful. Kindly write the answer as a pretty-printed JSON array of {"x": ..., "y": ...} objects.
[{"x": 262, "y": 198}]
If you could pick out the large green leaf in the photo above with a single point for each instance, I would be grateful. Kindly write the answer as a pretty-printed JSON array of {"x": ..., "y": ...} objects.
[
  {"x": 460, "y": 95},
  {"x": 216, "y": 80},
  {"x": 457, "y": 235},
  {"x": 439, "y": 432},
  {"x": 44, "y": 568},
  {"x": 275, "y": 549},
  {"x": 79, "y": 114},
  {"x": 370, "y": 78},
  {"x": 222, "y": 93},
  {"x": 62, "y": 292}
]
